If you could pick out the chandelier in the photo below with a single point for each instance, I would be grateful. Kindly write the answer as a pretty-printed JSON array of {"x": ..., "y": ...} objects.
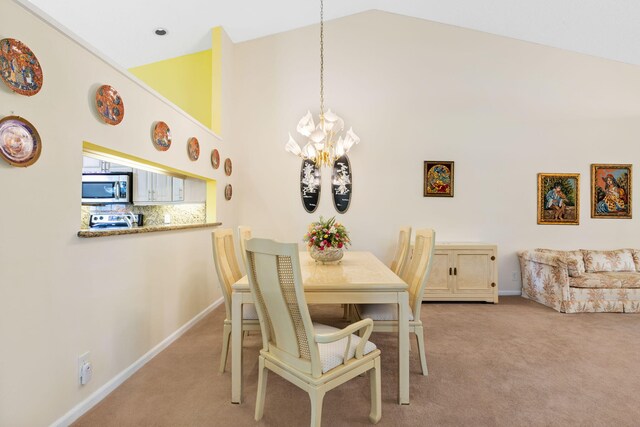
[{"x": 325, "y": 143}]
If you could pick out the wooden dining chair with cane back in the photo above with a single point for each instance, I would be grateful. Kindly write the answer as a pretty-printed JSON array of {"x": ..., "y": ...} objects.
[
  {"x": 416, "y": 274},
  {"x": 398, "y": 263},
  {"x": 244, "y": 234},
  {"x": 224, "y": 257},
  {"x": 401, "y": 255},
  {"x": 312, "y": 356}
]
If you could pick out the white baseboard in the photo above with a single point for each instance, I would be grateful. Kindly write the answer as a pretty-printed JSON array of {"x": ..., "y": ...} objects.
[
  {"x": 510, "y": 293},
  {"x": 82, "y": 407}
]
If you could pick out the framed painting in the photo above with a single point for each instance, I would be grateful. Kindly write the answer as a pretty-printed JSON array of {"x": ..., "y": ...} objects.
[
  {"x": 438, "y": 179},
  {"x": 610, "y": 191},
  {"x": 559, "y": 198}
]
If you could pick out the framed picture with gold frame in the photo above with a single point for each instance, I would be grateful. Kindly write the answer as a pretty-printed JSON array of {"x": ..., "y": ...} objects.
[
  {"x": 610, "y": 191},
  {"x": 438, "y": 178},
  {"x": 559, "y": 198}
]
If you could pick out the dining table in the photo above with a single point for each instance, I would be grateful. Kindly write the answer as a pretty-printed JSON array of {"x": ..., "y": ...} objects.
[{"x": 358, "y": 278}]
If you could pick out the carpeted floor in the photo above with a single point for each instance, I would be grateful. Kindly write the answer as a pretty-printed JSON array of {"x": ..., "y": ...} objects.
[{"x": 517, "y": 363}]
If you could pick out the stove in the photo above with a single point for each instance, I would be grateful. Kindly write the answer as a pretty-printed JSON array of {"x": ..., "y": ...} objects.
[{"x": 113, "y": 220}]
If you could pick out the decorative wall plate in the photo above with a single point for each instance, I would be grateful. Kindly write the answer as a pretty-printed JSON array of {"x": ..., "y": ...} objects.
[
  {"x": 341, "y": 184},
  {"x": 310, "y": 185},
  {"x": 193, "y": 146},
  {"x": 162, "y": 136},
  {"x": 19, "y": 67},
  {"x": 228, "y": 167},
  {"x": 228, "y": 192},
  {"x": 109, "y": 105},
  {"x": 215, "y": 159},
  {"x": 20, "y": 143}
]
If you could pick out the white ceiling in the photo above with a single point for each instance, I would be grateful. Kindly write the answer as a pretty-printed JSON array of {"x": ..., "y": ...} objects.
[{"x": 123, "y": 29}]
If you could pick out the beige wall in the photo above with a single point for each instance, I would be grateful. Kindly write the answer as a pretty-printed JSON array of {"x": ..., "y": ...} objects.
[
  {"x": 414, "y": 90},
  {"x": 60, "y": 295}
]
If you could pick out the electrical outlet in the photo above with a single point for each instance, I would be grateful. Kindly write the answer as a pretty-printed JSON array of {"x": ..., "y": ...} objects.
[
  {"x": 85, "y": 370},
  {"x": 167, "y": 218},
  {"x": 514, "y": 276}
]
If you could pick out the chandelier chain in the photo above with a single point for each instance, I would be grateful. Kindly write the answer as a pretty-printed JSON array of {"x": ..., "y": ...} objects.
[{"x": 322, "y": 60}]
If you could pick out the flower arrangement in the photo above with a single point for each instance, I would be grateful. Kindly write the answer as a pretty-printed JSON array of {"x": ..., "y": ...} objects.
[{"x": 325, "y": 234}]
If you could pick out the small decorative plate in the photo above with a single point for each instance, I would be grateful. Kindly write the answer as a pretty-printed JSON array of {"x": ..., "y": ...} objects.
[
  {"x": 215, "y": 159},
  {"x": 228, "y": 192},
  {"x": 20, "y": 143},
  {"x": 227, "y": 167},
  {"x": 162, "y": 136},
  {"x": 109, "y": 105},
  {"x": 193, "y": 146},
  {"x": 19, "y": 67}
]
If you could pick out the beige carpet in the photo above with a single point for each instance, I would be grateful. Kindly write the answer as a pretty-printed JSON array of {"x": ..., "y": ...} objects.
[{"x": 517, "y": 363}]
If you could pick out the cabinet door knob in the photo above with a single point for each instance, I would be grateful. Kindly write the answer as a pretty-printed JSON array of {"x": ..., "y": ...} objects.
[
  {"x": 455, "y": 271},
  {"x": 449, "y": 271},
  {"x": 493, "y": 285},
  {"x": 493, "y": 258}
]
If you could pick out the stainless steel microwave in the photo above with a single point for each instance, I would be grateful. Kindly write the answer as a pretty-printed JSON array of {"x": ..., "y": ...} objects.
[{"x": 106, "y": 188}]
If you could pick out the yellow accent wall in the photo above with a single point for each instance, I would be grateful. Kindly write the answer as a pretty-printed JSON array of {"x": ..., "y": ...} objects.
[
  {"x": 186, "y": 81},
  {"x": 216, "y": 79}
]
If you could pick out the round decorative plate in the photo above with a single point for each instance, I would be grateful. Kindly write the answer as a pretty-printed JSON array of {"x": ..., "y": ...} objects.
[
  {"x": 109, "y": 105},
  {"x": 227, "y": 167},
  {"x": 193, "y": 146},
  {"x": 228, "y": 192},
  {"x": 20, "y": 143},
  {"x": 19, "y": 67},
  {"x": 162, "y": 136},
  {"x": 215, "y": 159}
]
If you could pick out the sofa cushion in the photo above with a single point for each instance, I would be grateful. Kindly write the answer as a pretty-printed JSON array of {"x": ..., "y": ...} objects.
[
  {"x": 600, "y": 261},
  {"x": 635, "y": 253},
  {"x": 607, "y": 280},
  {"x": 573, "y": 259}
]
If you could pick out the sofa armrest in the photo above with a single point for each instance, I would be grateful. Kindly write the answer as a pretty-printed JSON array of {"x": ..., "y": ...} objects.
[
  {"x": 545, "y": 278},
  {"x": 545, "y": 258}
]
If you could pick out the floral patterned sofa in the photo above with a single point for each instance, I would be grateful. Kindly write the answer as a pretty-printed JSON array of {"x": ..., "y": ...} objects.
[{"x": 583, "y": 280}]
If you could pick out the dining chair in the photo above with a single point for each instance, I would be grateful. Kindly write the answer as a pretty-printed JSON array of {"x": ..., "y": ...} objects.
[
  {"x": 244, "y": 234},
  {"x": 416, "y": 274},
  {"x": 402, "y": 251},
  {"x": 224, "y": 257},
  {"x": 312, "y": 356}
]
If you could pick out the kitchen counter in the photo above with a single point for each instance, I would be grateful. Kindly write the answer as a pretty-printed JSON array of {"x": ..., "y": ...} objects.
[{"x": 144, "y": 229}]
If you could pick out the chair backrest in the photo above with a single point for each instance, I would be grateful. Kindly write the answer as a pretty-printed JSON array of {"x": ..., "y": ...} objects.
[
  {"x": 276, "y": 286},
  {"x": 244, "y": 234},
  {"x": 224, "y": 256},
  {"x": 417, "y": 272},
  {"x": 402, "y": 251}
]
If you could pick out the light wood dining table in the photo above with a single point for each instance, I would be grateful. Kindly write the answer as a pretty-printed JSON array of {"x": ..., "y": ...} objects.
[{"x": 359, "y": 278}]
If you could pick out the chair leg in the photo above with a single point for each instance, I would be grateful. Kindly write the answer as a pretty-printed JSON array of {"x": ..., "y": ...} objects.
[
  {"x": 376, "y": 392},
  {"x": 419, "y": 331},
  {"x": 316, "y": 397},
  {"x": 346, "y": 314},
  {"x": 262, "y": 388},
  {"x": 225, "y": 347}
]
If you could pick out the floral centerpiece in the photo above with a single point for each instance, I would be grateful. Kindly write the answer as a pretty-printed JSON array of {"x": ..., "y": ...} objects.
[{"x": 326, "y": 240}]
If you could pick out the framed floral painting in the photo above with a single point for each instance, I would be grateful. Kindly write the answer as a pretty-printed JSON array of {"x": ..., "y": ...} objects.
[
  {"x": 610, "y": 191},
  {"x": 438, "y": 179},
  {"x": 559, "y": 198}
]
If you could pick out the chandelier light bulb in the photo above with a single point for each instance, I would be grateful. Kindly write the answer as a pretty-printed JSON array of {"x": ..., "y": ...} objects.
[
  {"x": 293, "y": 147},
  {"x": 306, "y": 125}
]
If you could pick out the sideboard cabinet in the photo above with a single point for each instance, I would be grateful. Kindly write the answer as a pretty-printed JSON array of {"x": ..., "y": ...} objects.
[{"x": 463, "y": 272}]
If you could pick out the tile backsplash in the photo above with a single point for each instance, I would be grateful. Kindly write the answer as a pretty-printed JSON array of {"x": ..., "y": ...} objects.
[{"x": 184, "y": 213}]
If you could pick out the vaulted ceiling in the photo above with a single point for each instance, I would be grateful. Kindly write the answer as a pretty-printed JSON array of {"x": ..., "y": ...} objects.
[{"x": 123, "y": 30}]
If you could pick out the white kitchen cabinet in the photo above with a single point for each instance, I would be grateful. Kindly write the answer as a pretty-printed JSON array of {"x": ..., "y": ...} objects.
[
  {"x": 91, "y": 165},
  {"x": 151, "y": 187},
  {"x": 195, "y": 190},
  {"x": 463, "y": 272},
  {"x": 177, "y": 190}
]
